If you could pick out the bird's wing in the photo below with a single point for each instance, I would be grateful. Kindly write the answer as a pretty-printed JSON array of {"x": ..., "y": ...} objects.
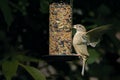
[{"x": 95, "y": 34}]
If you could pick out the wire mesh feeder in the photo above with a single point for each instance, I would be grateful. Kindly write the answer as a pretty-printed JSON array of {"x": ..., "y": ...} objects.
[{"x": 60, "y": 31}]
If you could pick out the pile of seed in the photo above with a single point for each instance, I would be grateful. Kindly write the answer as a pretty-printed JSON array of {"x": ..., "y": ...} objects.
[{"x": 60, "y": 29}]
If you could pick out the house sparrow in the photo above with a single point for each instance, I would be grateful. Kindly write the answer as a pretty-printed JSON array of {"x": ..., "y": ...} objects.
[{"x": 82, "y": 38}]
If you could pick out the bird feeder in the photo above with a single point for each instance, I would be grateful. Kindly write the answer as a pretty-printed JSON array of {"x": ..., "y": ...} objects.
[{"x": 60, "y": 29}]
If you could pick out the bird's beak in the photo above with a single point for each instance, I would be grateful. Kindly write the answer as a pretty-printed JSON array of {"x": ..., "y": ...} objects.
[{"x": 74, "y": 26}]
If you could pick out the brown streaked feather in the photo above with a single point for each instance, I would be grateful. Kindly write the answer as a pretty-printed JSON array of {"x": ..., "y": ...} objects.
[{"x": 95, "y": 34}]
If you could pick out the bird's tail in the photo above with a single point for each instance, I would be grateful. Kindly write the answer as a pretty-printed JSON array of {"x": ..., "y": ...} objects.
[{"x": 83, "y": 66}]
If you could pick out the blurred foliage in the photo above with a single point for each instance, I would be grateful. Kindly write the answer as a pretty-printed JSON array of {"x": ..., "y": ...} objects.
[{"x": 24, "y": 39}]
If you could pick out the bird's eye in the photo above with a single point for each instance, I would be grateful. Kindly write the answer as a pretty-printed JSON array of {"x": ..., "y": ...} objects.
[{"x": 79, "y": 25}]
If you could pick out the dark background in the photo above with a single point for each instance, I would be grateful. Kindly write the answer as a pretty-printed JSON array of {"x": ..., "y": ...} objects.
[{"x": 24, "y": 27}]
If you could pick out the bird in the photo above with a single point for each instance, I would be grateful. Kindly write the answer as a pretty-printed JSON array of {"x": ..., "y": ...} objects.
[{"x": 82, "y": 38}]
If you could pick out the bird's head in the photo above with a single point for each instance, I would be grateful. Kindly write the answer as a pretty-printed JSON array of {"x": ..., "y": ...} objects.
[{"x": 79, "y": 27}]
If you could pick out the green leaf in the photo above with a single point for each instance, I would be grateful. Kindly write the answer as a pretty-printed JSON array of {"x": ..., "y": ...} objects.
[
  {"x": 94, "y": 55},
  {"x": 21, "y": 6},
  {"x": 104, "y": 10},
  {"x": 73, "y": 31},
  {"x": 2, "y": 35},
  {"x": 35, "y": 73},
  {"x": 44, "y": 6},
  {"x": 24, "y": 58},
  {"x": 6, "y": 10},
  {"x": 9, "y": 69}
]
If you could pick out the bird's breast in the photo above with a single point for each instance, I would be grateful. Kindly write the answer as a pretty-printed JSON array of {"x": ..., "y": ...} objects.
[{"x": 77, "y": 39}]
